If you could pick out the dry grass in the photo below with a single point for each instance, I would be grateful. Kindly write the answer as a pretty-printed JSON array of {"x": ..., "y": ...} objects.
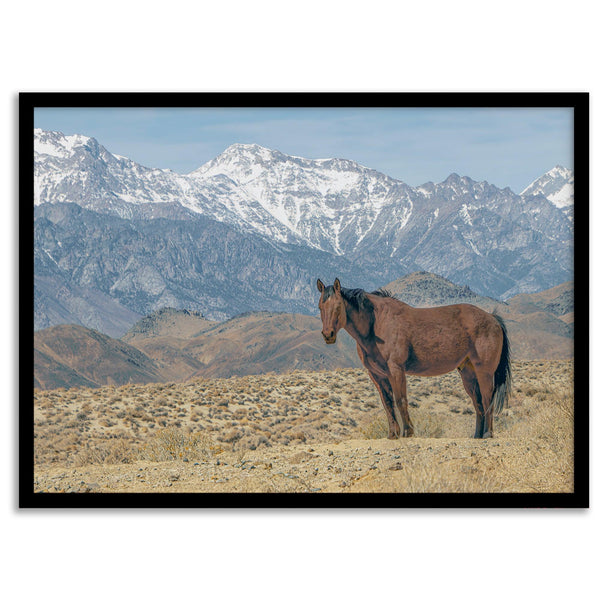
[
  {"x": 174, "y": 444},
  {"x": 219, "y": 426}
]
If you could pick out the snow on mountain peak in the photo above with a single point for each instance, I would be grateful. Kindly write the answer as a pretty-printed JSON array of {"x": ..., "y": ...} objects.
[
  {"x": 237, "y": 157},
  {"x": 559, "y": 171},
  {"x": 556, "y": 185},
  {"x": 55, "y": 143},
  {"x": 248, "y": 152}
]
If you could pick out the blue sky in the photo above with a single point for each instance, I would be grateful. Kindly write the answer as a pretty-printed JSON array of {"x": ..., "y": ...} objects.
[{"x": 507, "y": 147}]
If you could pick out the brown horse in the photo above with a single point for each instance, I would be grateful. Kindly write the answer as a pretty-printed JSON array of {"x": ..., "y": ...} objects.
[{"x": 393, "y": 339}]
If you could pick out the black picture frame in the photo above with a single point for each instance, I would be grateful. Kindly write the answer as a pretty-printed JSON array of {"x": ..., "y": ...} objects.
[{"x": 579, "y": 101}]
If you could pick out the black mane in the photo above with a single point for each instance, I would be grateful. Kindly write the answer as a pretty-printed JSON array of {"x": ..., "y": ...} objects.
[
  {"x": 383, "y": 292},
  {"x": 358, "y": 299}
]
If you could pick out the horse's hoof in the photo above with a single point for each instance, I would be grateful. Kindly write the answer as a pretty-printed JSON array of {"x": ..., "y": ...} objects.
[{"x": 487, "y": 435}]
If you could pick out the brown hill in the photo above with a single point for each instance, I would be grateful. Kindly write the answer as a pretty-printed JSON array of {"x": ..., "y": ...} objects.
[
  {"x": 249, "y": 344},
  {"x": 557, "y": 300},
  {"x": 72, "y": 355},
  {"x": 50, "y": 373},
  {"x": 182, "y": 324},
  {"x": 541, "y": 325}
]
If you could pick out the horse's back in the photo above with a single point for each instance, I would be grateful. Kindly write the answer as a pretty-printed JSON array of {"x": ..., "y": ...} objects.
[
  {"x": 462, "y": 319},
  {"x": 467, "y": 325},
  {"x": 463, "y": 314},
  {"x": 434, "y": 340}
]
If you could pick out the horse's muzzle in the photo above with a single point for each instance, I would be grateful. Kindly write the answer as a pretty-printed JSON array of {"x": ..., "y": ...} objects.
[{"x": 329, "y": 339}]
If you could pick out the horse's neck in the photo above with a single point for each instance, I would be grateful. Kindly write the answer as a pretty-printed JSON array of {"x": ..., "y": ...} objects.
[{"x": 358, "y": 326}]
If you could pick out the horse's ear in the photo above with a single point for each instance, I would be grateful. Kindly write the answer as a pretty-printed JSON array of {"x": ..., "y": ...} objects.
[
  {"x": 337, "y": 286},
  {"x": 320, "y": 285}
]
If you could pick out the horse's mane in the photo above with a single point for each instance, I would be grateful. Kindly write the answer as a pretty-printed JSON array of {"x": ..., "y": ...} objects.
[
  {"x": 385, "y": 293},
  {"x": 359, "y": 300}
]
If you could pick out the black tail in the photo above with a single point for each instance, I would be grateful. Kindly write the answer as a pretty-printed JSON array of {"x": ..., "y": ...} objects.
[{"x": 503, "y": 374}]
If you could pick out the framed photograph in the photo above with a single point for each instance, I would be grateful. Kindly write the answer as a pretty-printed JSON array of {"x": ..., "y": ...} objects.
[{"x": 297, "y": 300}]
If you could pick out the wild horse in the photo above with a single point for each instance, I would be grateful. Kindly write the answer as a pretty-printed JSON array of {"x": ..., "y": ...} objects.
[{"x": 394, "y": 339}]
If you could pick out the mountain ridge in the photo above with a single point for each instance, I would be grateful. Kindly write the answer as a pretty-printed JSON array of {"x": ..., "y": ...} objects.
[
  {"x": 325, "y": 216},
  {"x": 257, "y": 171}
]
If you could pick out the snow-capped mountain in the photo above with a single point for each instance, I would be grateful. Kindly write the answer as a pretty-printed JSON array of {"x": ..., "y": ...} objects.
[
  {"x": 326, "y": 204},
  {"x": 334, "y": 205},
  {"x": 331, "y": 204},
  {"x": 282, "y": 219},
  {"x": 557, "y": 186}
]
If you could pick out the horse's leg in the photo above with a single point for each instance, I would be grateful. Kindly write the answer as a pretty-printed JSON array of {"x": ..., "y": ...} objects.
[
  {"x": 385, "y": 392},
  {"x": 469, "y": 379},
  {"x": 488, "y": 349},
  {"x": 398, "y": 383},
  {"x": 486, "y": 387}
]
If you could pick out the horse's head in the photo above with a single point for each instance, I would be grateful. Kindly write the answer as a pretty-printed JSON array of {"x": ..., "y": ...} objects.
[{"x": 333, "y": 309}]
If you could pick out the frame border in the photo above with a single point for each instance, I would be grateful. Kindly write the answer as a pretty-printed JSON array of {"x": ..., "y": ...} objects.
[{"x": 579, "y": 101}]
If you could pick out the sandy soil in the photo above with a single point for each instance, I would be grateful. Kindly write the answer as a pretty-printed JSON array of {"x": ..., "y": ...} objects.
[{"x": 414, "y": 465}]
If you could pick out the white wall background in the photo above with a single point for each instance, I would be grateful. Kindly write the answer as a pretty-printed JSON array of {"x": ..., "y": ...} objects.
[{"x": 283, "y": 46}]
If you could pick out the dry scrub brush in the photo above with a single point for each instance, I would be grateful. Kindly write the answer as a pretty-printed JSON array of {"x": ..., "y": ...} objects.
[
  {"x": 196, "y": 420},
  {"x": 175, "y": 444}
]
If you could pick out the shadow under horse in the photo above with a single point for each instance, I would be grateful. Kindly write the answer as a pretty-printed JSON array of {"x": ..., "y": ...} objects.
[{"x": 394, "y": 339}]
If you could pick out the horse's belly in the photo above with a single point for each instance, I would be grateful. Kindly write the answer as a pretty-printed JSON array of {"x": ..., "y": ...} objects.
[
  {"x": 430, "y": 370},
  {"x": 430, "y": 364}
]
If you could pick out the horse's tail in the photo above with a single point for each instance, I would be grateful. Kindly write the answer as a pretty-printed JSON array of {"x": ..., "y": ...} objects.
[{"x": 503, "y": 374}]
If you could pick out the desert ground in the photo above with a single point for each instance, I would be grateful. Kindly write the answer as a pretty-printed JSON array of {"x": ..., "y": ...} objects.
[{"x": 303, "y": 432}]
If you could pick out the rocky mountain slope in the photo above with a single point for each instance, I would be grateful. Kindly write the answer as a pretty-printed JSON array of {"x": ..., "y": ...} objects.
[
  {"x": 132, "y": 267},
  {"x": 264, "y": 224}
]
